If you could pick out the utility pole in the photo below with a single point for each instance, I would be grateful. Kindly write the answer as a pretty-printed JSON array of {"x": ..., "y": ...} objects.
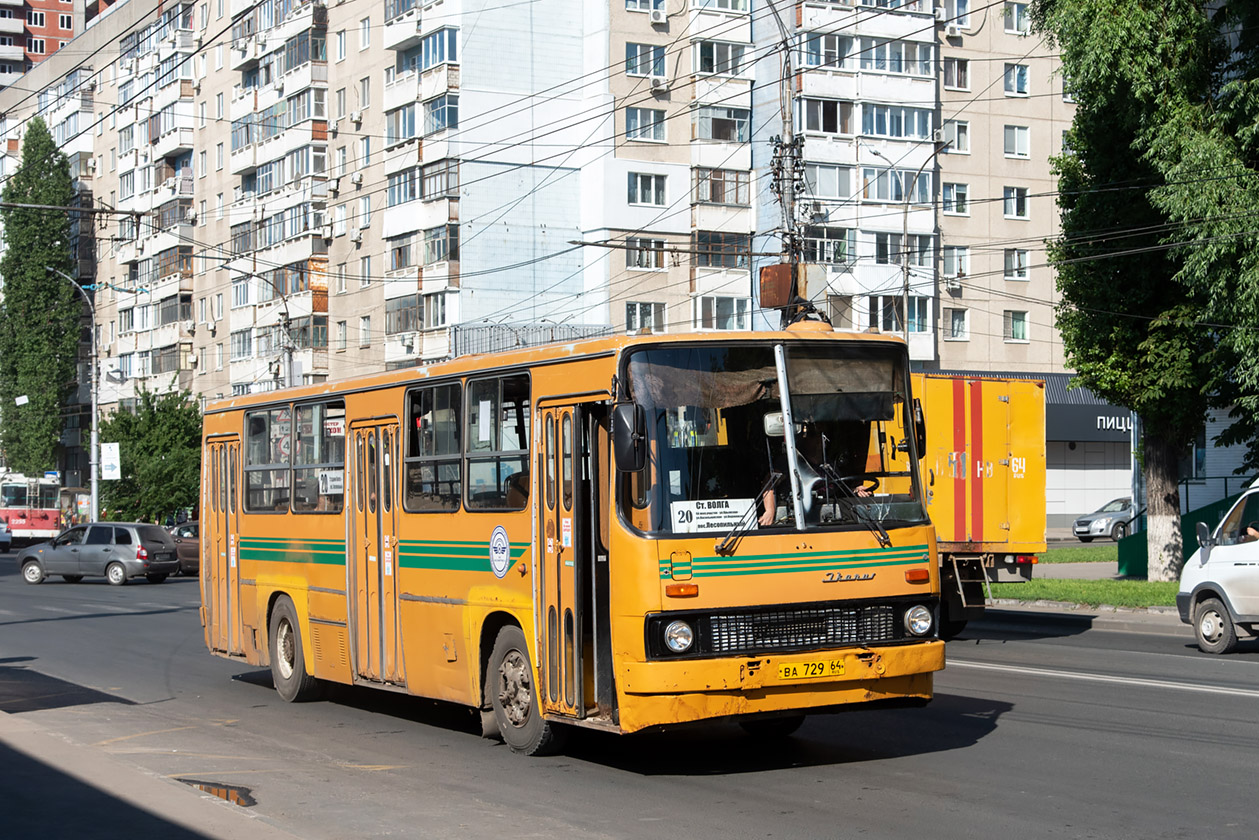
[
  {"x": 94, "y": 455},
  {"x": 788, "y": 168}
]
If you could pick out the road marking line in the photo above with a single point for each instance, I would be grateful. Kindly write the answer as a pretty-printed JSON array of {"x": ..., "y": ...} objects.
[
  {"x": 141, "y": 735},
  {"x": 1076, "y": 675},
  {"x": 57, "y": 609}
]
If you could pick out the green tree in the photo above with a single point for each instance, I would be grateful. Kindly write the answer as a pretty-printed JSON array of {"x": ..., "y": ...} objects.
[
  {"x": 1130, "y": 328},
  {"x": 159, "y": 447},
  {"x": 40, "y": 312}
]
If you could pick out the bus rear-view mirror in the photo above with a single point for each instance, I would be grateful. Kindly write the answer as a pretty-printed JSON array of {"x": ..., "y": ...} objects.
[
  {"x": 774, "y": 426},
  {"x": 629, "y": 439}
]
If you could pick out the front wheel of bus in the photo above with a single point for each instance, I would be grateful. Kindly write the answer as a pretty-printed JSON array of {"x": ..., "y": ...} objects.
[
  {"x": 509, "y": 684},
  {"x": 288, "y": 667}
]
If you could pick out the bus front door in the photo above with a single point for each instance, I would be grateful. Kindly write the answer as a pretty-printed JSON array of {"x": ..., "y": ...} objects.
[
  {"x": 220, "y": 574},
  {"x": 373, "y": 566},
  {"x": 564, "y": 563}
]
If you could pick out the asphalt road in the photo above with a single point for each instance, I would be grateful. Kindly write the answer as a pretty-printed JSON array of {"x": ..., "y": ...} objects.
[{"x": 1037, "y": 730}]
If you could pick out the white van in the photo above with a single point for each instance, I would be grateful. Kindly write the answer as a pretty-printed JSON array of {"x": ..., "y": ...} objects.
[{"x": 1219, "y": 585}]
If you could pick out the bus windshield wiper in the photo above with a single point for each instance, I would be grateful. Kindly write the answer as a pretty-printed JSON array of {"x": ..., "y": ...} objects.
[
  {"x": 726, "y": 545},
  {"x": 859, "y": 509}
]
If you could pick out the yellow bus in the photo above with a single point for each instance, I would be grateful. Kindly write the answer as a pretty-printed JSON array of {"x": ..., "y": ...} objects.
[{"x": 620, "y": 533}]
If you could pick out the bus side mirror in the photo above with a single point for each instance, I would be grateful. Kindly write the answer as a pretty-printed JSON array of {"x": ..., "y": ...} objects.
[
  {"x": 920, "y": 429},
  {"x": 629, "y": 438}
]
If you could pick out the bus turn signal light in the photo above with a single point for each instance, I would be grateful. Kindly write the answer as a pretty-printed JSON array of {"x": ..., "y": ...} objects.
[
  {"x": 682, "y": 590},
  {"x": 917, "y": 575}
]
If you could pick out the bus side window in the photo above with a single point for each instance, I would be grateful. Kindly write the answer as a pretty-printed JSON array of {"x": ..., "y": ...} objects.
[
  {"x": 432, "y": 467},
  {"x": 498, "y": 415}
]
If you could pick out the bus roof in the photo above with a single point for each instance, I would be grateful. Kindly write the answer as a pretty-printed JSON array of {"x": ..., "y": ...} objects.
[{"x": 544, "y": 354}]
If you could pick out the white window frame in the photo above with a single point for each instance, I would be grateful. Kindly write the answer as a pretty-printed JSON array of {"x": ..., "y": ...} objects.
[
  {"x": 646, "y": 189},
  {"x": 645, "y": 132},
  {"x": 949, "y": 321},
  {"x": 957, "y": 136},
  {"x": 955, "y": 199},
  {"x": 706, "y": 311},
  {"x": 959, "y": 70},
  {"x": 1012, "y": 200},
  {"x": 1016, "y": 264},
  {"x": 1017, "y": 142},
  {"x": 955, "y": 261},
  {"x": 1017, "y": 17},
  {"x": 1011, "y": 317},
  {"x": 1016, "y": 79}
]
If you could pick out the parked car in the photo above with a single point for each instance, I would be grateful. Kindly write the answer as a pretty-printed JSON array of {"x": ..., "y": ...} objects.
[
  {"x": 6, "y": 538},
  {"x": 1110, "y": 520},
  {"x": 1219, "y": 584},
  {"x": 118, "y": 550},
  {"x": 187, "y": 538}
]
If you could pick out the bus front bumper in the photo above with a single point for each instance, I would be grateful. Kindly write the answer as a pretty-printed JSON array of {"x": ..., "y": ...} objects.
[{"x": 665, "y": 692}]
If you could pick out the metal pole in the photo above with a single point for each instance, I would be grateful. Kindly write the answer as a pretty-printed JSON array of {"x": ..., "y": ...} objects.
[
  {"x": 93, "y": 455},
  {"x": 935, "y": 150}
]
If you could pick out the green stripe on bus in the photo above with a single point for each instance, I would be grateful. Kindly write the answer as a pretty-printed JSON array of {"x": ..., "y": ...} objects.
[{"x": 802, "y": 562}]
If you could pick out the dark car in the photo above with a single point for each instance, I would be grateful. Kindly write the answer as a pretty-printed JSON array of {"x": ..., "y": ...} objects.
[
  {"x": 118, "y": 550},
  {"x": 187, "y": 538}
]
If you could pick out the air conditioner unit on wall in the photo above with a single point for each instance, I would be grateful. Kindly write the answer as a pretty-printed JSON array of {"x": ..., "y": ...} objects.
[
  {"x": 356, "y": 178},
  {"x": 952, "y": 30},
  {"x": 356, "y": 236},
  {"x": 356, "y": 117},
  {"x": 659, "y": 83},
  {"x": 659, "y": 16}
]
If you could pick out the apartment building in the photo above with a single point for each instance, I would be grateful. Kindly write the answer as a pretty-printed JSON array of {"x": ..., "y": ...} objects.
[{"x": 32, "y": 30}]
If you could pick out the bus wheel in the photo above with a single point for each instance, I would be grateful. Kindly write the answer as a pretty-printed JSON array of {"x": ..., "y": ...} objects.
[
  {"x": 288, "y": 667},
  {"x": 509, "y": 683},
  {"x": 116, "y": 574},
  {"x": 777, "y": 727},
  {"x": 32, "y": 573}
]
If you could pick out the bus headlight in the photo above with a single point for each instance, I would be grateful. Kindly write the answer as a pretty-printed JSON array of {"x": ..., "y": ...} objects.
[
  {"x": 678, "y": 636},
  {"x": 918, "y": 620}
]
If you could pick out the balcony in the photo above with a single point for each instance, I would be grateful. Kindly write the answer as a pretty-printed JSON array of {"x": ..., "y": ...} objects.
[
  {"x": 11, "y": 26},
  {"x": 246, "y": 52},
  {"x": 174, "y": 142},
  {"x": 243, "y": 161},
  {"x": 403, "y": 30},
  {"x": 403, "y": 90},
  {"x": 12, "y": 54},
  {"x": 438, "y": 80}
]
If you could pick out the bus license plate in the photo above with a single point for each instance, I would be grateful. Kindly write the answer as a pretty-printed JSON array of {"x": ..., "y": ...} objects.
[{"x": 811, "y": 670}]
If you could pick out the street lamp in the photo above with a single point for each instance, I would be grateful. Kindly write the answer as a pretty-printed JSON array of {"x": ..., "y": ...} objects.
[
  {"x": 907, "y": 189},
  {"x": 94, "y": 454}
]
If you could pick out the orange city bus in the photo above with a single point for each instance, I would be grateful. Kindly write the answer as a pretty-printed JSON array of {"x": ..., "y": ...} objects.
[{"x": 618, "y": 533}]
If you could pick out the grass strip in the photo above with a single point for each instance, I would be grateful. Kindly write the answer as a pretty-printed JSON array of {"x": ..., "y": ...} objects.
[
  {"x": 1116, "y": 593},
  {"x": 1107, "y": 552}
]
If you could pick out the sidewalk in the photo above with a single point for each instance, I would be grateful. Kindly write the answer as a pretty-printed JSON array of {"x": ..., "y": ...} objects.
[{"x": 53, "y": 788}]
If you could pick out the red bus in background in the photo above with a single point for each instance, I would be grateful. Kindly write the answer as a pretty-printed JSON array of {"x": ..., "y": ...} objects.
[{"x": 30, "y": 506}]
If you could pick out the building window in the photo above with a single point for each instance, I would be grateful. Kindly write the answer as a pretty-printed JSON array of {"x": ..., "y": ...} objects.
[
  {"x": 402, "y": 315},
  {"x": 644, "y": 60},
  {"x": 829, "y": 51},
  {"x": 365, "y": 212},
  {"x": 644, "y": 124},
  {"x": 957, "y": 73},
  {"x": 340, "y": 45},
  {"x": 440, "y": 180},
  {"x": 364, "y": 271},
  {"x": 1016, "y": 79},
  {"x": 644, "y": 5},
  {"x": 717, "y": 249},
  {"x": 441, "y": 114},
  {"x": 956, "y": 261},
  {"x": 882, "y": 185},
  {"x": 400, "y": 125},
  {"x": 641, "y": 315},
  {"x": 644, "y": 253},
  {"x": 1015, "y": 200},
  {"x": 364, "y": 33},
  {"x": 957, "y": 11},
  {"x": 66, "y": 22},
  {"x": 35, "y": 19},
  {"x": 714, "y": 312},
  {"x": 895, "y": 122},
  {"x": 1015, "y": 326},
  {"x": 828, "y": 116},
  {"x": 365, "y": 330},
  {"x": 719, "y": 59},
  {"x": 919, "y": 314},
  {"x": 728, "y": 125},
  {"x": 956, "y": 137},
  {"x": 1016, "y": 264},
  {"x": 885, "y": 313},
  {"x": 646, "y": 189},
  {"x": 953, "y": 199},
  {"x": 35, "y": 46},
  {"x": 441, "y": 244},
  {"x": 1017, "y": 19},
  {"x": 365, "y": 92},
  {"x": 823, "y": 180},
  {"x": 841, "y": 311},
  {"x": 1016, "y": 141},
  {"x": 721, "y": 186},
  {"x": 888, "y": 249},
  {"x": 340, "y": 335},
  {"x": 242, "y": 344},
  {"x": 439, "y": 48},
  {"x": 829, "y": 245},
  {"x": 908, "y": 57},
  {"x": 403, "y": 187},
  {"x": 400, "y": 257},
  {"x": 955, "y": 327}
]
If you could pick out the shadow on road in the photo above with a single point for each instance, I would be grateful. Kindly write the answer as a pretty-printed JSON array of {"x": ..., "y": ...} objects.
[
  {"x": 26, "y": 690},
  {"x": 42, "y": 802},
  {"x": 1015, "y": 624},
  {"x": 859, "y": 734}
]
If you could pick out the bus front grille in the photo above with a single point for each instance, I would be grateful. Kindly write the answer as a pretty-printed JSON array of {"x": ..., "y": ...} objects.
[{"x": 797, "y": 629}]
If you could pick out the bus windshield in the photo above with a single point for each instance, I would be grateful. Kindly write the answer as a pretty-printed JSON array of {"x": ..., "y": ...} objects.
[{"x": 726, "y": 450}]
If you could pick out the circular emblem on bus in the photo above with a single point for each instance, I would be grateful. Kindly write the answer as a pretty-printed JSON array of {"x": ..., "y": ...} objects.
[{"x": 500, "y": 551}]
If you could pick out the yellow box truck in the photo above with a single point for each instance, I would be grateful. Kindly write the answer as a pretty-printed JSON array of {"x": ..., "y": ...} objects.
[{"x": 984, "y": 473}]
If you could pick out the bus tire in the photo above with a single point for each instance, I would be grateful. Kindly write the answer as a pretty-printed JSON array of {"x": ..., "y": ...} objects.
[
  {"x": 115, "y": 574},
  {"x": 32, "y": 572},
  {"x": 509, "y": 684},
  {"x": 772, "y": 728},
  {"x": 288, "y": 665}
]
